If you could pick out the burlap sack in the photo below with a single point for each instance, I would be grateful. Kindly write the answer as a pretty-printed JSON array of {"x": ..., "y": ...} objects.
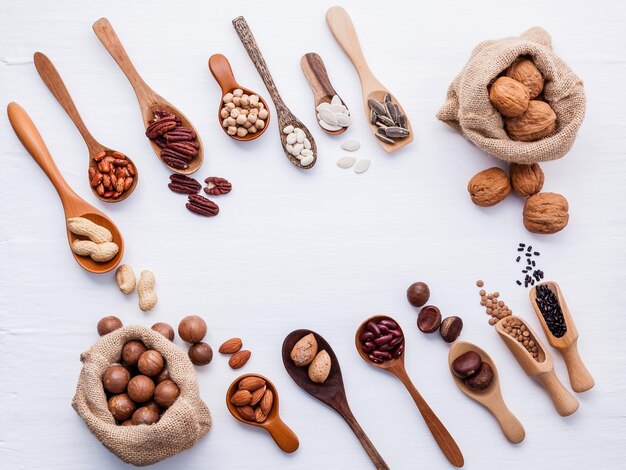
[
  {"x": 468, "y": 110},
  {"x": 180, "y": 427}
]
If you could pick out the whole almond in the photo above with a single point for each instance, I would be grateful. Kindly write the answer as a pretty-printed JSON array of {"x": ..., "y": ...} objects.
[
  {"x": 251, "y": 383},
  {"x": 239, "y": 359},
  {"x": 241, "y": 398},
  {"x": 231, "y": 346},
  {"x": 246, "y": 412},
  {"x": 257, "y": 395},
  {"x": 266, "y": 402},
  {"x": 259, "y": 416}
]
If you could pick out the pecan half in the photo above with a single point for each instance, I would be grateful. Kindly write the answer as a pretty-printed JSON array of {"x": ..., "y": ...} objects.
[
  {"x": 160, "y": 126},
  {"x": 168, "y": 152},
  {"x": 185, "y": 147},
  {"x": 175, "y": 163},
  {"x": 180, "y": 133},
  {"x": 184, "y": 184},
  {"x": 217, "y": 186},
  {"x": 202, "y": 206}
]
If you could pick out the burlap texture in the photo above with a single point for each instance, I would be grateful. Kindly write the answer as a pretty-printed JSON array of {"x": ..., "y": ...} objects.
[
  {"x": 468, "y": 110},
  {"x": 180, "y": 427}
]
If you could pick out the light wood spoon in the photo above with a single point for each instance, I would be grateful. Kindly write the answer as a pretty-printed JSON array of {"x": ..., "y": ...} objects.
[
  {"x": 284, "y": 437},
  {"x": 323, "y": 92},
  {"x": 342, "y": 28},
  {"x": 149, "y": 100},
  {"x": 284, "y": 115},
  {"x": 491, "y": 397},
  {"x": 223, "y": 73},
  {"x": 567, "y": 345},
  {"x": 73, "y": 205},
  {"x": 331, "y": 392},
  {"x": 50, "y": 76},
  {"x": 542, "y": 369},
  {"x": 396, "y": 367}
]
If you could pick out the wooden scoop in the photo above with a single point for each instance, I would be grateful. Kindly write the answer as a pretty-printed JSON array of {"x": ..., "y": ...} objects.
[
  {"x": 73, "y": 205},
  {"x": 491, "y": 397},
  {"x": 284, "y": 437},
  {"x": 396, "y": 367},
  {"x": 342, "y": 28},
  {"x": 284, "y": 115},
  {"x": 579, "y": 377},
  {"x": 323, "y": 92},
  {"x": 149, "y": 100},
  {"x": 542, "y": 369},
  {"x": 331, "y": 392},
  {"x": 49, "y": 74}
]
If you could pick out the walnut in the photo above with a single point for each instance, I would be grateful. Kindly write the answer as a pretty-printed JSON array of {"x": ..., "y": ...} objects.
[
  {"x": 525, "y": 71},
  {"x": 546, "y": 213},
  {"x": 509, "y": 97},
  {"x": 537, "y": 122},
  {"x": 489, "y": 187},
  {"x": 526, "y": 179}
]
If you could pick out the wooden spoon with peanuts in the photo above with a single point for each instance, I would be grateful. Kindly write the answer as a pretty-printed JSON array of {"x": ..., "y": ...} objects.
[{"x": 120, "y": 178}]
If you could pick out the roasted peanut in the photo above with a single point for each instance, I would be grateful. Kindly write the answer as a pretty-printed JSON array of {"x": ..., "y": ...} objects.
[
  {"x": 125, "y": 278},
  {"x": 145, "y": 291},
  {"x": 100, "y": 252},
  {"x": 89, "y": 229}
]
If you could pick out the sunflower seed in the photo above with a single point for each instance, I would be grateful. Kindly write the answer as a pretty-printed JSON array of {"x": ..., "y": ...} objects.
[
  {"x": 385, "y": 139},
  {"x": 383, "y": 131},
  {"x": 386, "y": 121},
  {"x": 387, "y": 98},
  {"x": 394, "y": 112},
  {"x": 380, "y": 124},
  {"x": 373, "y": 117},
  {"x": 377, "y": 107},
  {"x": 402, "y": 121},
  {"x": 396, "y": 132}
]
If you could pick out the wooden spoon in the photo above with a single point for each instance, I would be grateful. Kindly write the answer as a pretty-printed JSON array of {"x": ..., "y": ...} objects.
[
  {"x": 323, "y": 92},
  {"x": 284, "y": 437},
  {"x": 542, "y": 369},
  {"x": 331, "y": 392},
  {"x": 579, "y": 377},
  {"x": 73, "y": 205},
  {"x": 49, "y": 74},
  {"x": 223, "y": 74},
  {"x": 396, "y": 367},
  {"x": 491, "y": 397},
  {"x": 284, "y": 115},
  {"x": 149, "y": 100},
  {"x": 342, "y": 28}
]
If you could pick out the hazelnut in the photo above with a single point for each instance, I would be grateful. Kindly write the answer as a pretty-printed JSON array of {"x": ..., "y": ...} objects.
[
  {"x": 526, "y": 179},
  {"x": 546, "y": 213},
  {"x": 140, "y": 388},
  {"x": 165, "y": 329},
  {"x": 537, "y": 122},
  {"x": 192, "y": 329},
  {"x": 451, "y": 329},
  {"x": 166, "y": 393},
  {"x": 481, "y": 379},
  {"x": 131, "y": 352},
  {"x": 489, "y": 187},
  {"x": 115, "y": 379},
  {"x": 108, "y": 324},
  {"x": 150, "y": 363},
  {"x": 527, "y": 73},
  {"x": 509, "y": 97},
  {"x": 121, "y": 407},
  {"x": 466, "y": 364},
  {"x": 418, "y": 294},
  {"x": 200, "y": 354},
  {"x": 163, "y": 375},
  {"x": 145, "y": 415},
  {"x": 429, "y": 319}
]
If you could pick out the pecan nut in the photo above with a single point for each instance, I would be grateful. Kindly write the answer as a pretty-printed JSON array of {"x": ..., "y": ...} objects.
[
  {"x": 179, "y": 134},
  {"x": 176, "y": 163},
  {"x": 184, "y": 184},
  {"x": 184, "y": 147},
  {"x": 202, "y": 206},
  {"x": 217, "y": 186},
  {"x": 173, "y": 153},
  {"x": 160, "y": 126}
]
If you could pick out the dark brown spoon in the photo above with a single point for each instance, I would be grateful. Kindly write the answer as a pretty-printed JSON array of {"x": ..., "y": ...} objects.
[{"x": 331, "y": 392}]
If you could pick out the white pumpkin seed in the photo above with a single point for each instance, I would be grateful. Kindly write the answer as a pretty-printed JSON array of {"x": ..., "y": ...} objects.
[
  {"x": 329, "y": 127},
  {"x": 328, "y": 116},
  {"x": 336, "y": 100},
  {"x": 346, "y": 162},
  {"x": 306, "y": 161},
  {"x": 338, "y": 109},
  {"x": 343, "y": 120},
  {"x": 351, "y": 145},
  {"x": 288, "y": 130},
  {"x": 362, "y": 165},
  {"x": 323, "y": 105}
]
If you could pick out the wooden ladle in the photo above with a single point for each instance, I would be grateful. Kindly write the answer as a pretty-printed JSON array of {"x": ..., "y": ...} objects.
[
  {"x": 491, "y": 397},
  {"x": 540, "y": 369},
  {"x": 223, "y": 73},
  {"x": 567, "y": 345},
  {"x": 396, "y": 367},
  {"x": 73, "y": 205},
  {"x": 331, "y": 392},
  {"x": 284, "y": 115},
  {"x": 342, "y": 28},
  {"x": 49, "y": 74},
  {"x": 284, "y": 437},
  {"x": 323, "y": 92},
  {"x": 149, "y": 100}
]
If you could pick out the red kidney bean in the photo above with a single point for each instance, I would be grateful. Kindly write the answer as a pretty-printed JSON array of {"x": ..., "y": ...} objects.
[
  {"x": 382, "y": 355},
  {"x": 383, "y": 340},
  {"x": 396, "y": 341},
  {"x": 366, "y": 336},
  {"x": 395, "y": 332},
  {"x": 373, "y": 327},
  {"x": 374, "y": 359},
  {"x": 392, "y": 325},
  {"x": 383, "y": 329},
  {"x": 368, "y": 346},
  {"x": 398, "y": 351}
]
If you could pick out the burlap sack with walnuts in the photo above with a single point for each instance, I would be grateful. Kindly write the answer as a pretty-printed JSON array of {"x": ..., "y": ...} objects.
[
  {"x": 180, "y": 427},
  {"x": 468, "y": 110}
]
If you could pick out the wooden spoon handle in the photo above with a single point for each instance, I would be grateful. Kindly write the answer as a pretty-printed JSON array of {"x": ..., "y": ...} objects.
[
  {"x": 30, "y": 137},
  {"x": 317, "y": 76},
  {"x": 50, "y": 76},
  {"x": 371, "y": 451},
  {"x": 579, "y": 377},
  {"x": 284, "y": 437},
  {"x": 564, "y": 402},
  {"x": 222, "y": 72},
  {"x": 510, "y": 425}
]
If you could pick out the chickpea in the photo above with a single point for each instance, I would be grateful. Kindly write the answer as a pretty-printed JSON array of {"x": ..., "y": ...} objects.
[
  {"x": 261, "y": 105},
  {"x": 230, "y": 106},
  {"x": 234, "y": 113},
  {"x": 252, "y": 118},
  {"x": 232, "y": 130},
  {"x": 231, "y": 122},
  {"x": 242, "y": 132},
  {"x": 254, "y": 100},
  {"x": 241, "y": 119},
  {"x": 247, "y": 125},
  {"x": 225, "y": 123},
  {"x": 252, "y": 129},
  {"x": 224, "y": 113},
  {"x": 238, "y": 92},
  {"x": 263, "y": 113},
  {"x": 259, "y": 124},
  {"x": 245, "y": 101},
  {"x": 237, "y": 101},
  {"x": 245, "y": 112},
  {"x": 228, "y": 97}
]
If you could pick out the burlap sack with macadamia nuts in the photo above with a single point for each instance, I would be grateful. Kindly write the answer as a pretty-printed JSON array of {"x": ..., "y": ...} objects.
[
  {"x": 468, "y": 110},
  {"x": 179, "y": 428}
]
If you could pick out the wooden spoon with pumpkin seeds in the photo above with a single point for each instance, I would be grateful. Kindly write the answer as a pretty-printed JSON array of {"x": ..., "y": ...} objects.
[{"x": 387, "y": 119}]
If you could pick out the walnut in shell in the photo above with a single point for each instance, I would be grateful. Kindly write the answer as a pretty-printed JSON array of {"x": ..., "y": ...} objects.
[
  {"x": 537, "y": 122},
  {"x": 546, "y": 213},
  {"x": 509, "y": 97},
  {"x": 526, "y": 179},
  {"x": 489, "y": 187},
  {"x": 525, "y": 72}
]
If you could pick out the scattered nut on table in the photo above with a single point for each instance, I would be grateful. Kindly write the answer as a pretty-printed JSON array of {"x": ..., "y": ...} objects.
[{"x": 145, "y": 291}]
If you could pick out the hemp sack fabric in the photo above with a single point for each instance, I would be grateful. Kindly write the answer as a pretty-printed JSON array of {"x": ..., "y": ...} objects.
[
  {"x": 468, "y": 110},
  {"x": 180, "y": 426}
]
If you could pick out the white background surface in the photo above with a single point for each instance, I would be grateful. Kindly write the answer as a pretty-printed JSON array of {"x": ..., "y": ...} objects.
[{"x": 321, "y": 249}]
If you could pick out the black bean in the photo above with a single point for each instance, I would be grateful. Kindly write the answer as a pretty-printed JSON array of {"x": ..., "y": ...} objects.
[
  {"x": 528, "y": 254},
  {"x": 536, "y": 253},
  {"x": 550, "y": 308},
  {"x": 519, "y": 283},
  {"x": 520, "y": 249},
  {"x": 518, "y": 258},
  {"x": 522, "y": 245}
]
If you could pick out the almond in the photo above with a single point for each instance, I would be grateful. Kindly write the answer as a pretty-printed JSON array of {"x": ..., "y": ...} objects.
[
  {"x": 266, "y": 402},
  {"x": 239, "y": 359},
  {"x": 246, "y": 412},
  {"x": 251, "y": 383},
  {"x": 241, "y": 398},
  {"x": 257, "y": 395},
  {"x": 259, "y": 416},
  {"x": 230, "y": 346}
]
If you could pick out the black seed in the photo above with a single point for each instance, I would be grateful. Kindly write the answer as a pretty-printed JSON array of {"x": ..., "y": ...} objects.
[
  {"x": 519, "y": 283},
  {"x": 533, "y": 263},
  {"x": 528, "y": 254},
  {"x": 550, "y": 308},
  {"x": 536, "y": 253},
  {"x": 530, "y": 248},
  {"x": 518, "y": 258},
  {"x": 522, "y": 245},
  {"x": 520, "y": 249}
]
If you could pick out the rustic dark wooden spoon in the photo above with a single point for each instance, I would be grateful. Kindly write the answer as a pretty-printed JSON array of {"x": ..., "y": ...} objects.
[{"x": 331, "y": 392}]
